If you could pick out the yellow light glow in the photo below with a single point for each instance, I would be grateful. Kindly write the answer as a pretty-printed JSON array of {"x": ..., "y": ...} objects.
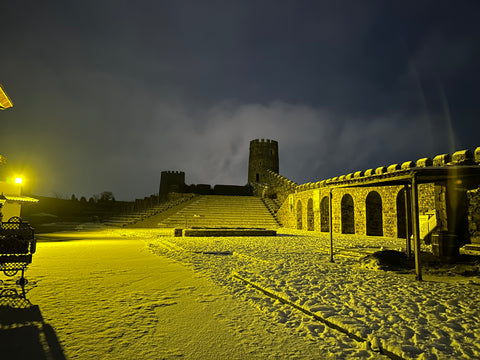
[{"x": 18, "y": 180}]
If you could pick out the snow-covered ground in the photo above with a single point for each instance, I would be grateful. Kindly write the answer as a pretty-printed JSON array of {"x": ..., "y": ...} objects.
[
  {"x": 144, "y": 294},
  {"x": 434, "y": 319}
]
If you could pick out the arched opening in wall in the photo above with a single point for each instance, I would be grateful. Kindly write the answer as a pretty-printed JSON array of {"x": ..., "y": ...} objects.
[
  {"x": 348, "y": 214},
  {"x": 310, "y": 216},
  {"x": 299, "y": 215},
  {"x": 403, "y": 215},
  {"x": 325, "y": 214},
  {"x": 374, "y": 214}
]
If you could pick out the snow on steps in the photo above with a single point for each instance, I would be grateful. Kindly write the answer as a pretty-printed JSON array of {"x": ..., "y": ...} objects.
[
  {"x": 140, "y": 215},
  {"x": 223, "y": 211}
]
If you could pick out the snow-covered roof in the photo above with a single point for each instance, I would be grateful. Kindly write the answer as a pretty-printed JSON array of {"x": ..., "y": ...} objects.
[{"x": 20, "y": 198}]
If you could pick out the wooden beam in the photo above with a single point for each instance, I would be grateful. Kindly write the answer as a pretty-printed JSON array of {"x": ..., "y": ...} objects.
[
  {"x": 407, "y": 224},
  {"x": 331, "y": 225},
  {"x": 416, "y": 229}
]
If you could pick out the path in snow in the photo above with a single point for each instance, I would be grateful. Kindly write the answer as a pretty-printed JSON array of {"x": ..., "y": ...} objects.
[{"x": 111, "y": 298}]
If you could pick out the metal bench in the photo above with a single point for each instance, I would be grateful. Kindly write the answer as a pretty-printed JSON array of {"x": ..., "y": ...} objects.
[{"x": 17, "y": 245}]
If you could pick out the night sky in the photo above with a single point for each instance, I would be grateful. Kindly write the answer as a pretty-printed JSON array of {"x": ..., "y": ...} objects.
[{"x": 107, "y": 94}]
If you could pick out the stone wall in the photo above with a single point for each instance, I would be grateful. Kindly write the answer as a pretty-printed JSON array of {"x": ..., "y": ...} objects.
[
  {"x": 286, "y": 213},
  {"x": 426, "y": 197},
  {"x": 278, "y": 186},
  {"x": 374, "y": 211},
  {"x": 473, "y": 198},
  {"x": 380, "y": 211}
]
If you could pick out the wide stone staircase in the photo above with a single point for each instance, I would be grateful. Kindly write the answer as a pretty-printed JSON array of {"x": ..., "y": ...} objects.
[
  {"x": 222, "y": 211},
  {"x": 273, "y": 206},
  {"x": 140, "y": 215}
]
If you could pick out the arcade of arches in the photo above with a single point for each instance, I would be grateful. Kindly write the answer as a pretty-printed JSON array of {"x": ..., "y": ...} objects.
[{"x": 372, "y": 211}]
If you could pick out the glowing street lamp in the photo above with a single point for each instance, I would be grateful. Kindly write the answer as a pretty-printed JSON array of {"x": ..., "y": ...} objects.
[
  {"x": 18, "y": 180},
  {"x": 5, "y": 101}
]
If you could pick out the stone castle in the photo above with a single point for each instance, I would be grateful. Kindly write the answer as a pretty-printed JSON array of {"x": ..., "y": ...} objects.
[{"x": 430, "y": 199}]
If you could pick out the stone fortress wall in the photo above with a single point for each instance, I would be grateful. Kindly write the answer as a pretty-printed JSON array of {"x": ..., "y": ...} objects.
[
  {"x": 448, "y": 202},
  {"x": 173, "y": 182},
  {"x": 376, "y": 210},
  {"x": 279, "y": 186}
]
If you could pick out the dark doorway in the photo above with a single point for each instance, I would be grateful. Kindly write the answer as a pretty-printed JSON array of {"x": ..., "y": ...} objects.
[
  {"x": 325, "y": 214},
  {"x": 348, "y": 214},
  {"x": 374, "y": 214}
]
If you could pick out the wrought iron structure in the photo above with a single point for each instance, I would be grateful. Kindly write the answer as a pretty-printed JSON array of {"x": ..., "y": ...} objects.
[{"x": 17, "y": 245}]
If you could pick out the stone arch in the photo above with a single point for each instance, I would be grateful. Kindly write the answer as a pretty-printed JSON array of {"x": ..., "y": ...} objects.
[
  {"x": 403, "y": 214},
  {"x": 374, "y": 214},
  {"x": 299, "y": 215},
  {"x": 348, "y": 214},
  {"x": 310, "y": 215},
  {"x": 325, "y": 214}
]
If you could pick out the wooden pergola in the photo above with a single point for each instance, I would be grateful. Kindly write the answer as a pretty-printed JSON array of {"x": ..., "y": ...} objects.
[{"x": 410, "y": 177}]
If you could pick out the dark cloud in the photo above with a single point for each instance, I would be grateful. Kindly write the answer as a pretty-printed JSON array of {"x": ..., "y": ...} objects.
[{"x": 108, "y": 94}]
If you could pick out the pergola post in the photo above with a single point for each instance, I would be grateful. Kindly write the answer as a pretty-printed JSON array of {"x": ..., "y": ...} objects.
[
  {"x": 330, "y": 225},
  {"x": 407, "y": 224},
  {"x": 416, "y": 229}
]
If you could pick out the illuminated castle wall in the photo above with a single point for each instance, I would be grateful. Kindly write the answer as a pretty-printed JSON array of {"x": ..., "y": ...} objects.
[
  {"x": 371, "y": 210},
  {"x": 383, "y": 210}
]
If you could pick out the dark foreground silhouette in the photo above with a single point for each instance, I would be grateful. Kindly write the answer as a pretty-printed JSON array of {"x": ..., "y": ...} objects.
[{"x": 23, "y": 332}]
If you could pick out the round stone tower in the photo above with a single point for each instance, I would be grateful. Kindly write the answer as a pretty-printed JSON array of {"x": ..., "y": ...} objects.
[{"x": 263, "y": 157}]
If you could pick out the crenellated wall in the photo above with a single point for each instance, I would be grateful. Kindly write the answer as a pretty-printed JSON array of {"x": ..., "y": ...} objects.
[
  {"x": 278, "y": 186},
  {"x": 360, "y": 204},
  {"x": 381, "y": 210}
]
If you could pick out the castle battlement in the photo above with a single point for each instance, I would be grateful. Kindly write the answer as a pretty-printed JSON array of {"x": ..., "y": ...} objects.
[
  {"x": 280, "y": 180},
  {"x": 458, "y": 158},
  {"x": 264, "y": 141},
  {"x": 173, "y": 172}
]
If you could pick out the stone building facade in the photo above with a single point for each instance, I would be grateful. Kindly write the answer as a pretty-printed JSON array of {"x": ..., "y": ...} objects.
[
  {"x": 374, "y": 211},
  {"x": 447, "y": 201},
  {"x": 374, "y": 202}
]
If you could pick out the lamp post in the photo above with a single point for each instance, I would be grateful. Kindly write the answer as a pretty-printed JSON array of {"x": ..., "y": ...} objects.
[{"x": 19, "y": 181}]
